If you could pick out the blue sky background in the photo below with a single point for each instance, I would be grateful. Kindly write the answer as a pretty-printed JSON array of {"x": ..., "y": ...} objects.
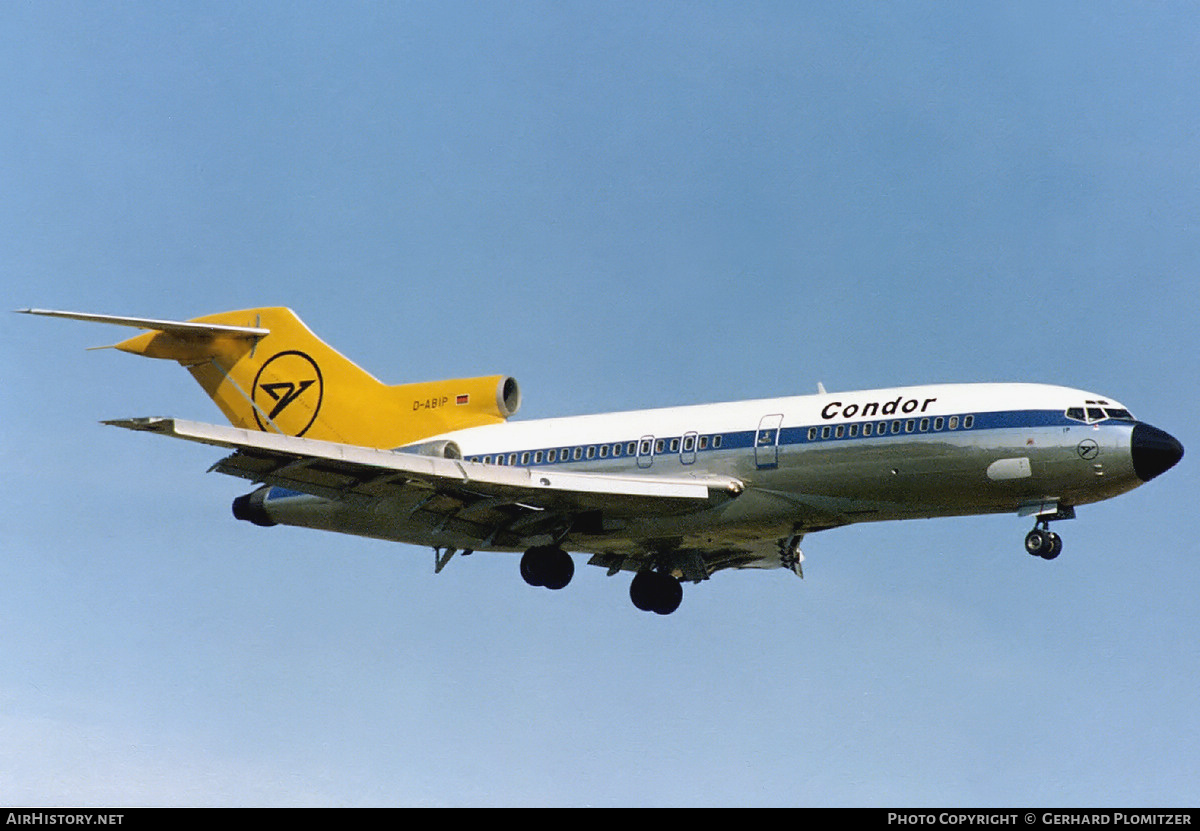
[{"x": 622, "y": 205}]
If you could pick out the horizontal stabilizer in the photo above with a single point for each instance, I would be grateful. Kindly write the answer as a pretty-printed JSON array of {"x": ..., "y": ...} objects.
[{"x": 182, "y": 328}]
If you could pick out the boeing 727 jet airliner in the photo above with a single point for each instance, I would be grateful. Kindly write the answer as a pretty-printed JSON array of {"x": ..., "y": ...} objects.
[{"x": 672, "y": 495}]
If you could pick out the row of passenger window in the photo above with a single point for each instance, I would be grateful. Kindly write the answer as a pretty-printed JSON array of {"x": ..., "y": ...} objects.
[
  {"x": 691, "y": 442},
  {"x": 645, "y": 447},
  {"x": 883, "y": 428}
]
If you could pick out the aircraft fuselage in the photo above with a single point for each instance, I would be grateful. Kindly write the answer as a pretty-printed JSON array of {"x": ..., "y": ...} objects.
[{"x": 807, "y": 463}]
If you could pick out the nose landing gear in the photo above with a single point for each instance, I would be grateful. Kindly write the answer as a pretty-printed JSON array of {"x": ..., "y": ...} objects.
[{"x": 1042, "y": 542}]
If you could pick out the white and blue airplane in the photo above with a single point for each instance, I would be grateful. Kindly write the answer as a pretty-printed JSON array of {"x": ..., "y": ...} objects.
[{"x": 672, "y": 495}]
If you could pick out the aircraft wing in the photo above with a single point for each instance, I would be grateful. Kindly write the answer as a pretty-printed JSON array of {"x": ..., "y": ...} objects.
[{"x": 365, "y": 475}]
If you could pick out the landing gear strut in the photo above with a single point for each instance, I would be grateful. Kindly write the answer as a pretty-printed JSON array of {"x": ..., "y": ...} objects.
[
  {"x": 655, "y": 591},
  {"x": 1042, "y": 542},
  {"x": 547, "y": 565}
]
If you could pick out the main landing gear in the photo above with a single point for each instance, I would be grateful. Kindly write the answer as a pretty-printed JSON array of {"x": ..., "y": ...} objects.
[
  {"x": 548, "y": 566},
  {"x": 1042, "y": 542},
  {"x": 655, "y": 591},
  {"x": 551, "y": 567}
]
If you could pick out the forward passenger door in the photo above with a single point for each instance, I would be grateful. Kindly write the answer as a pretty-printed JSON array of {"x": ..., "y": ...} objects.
[{"x": 766, "y": 441}]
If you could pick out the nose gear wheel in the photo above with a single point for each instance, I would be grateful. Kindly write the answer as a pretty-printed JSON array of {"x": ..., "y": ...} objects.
[{"x": 1042, "y": 542}]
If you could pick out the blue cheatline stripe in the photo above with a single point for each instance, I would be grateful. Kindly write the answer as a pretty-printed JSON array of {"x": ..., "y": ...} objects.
[{"x": 745, "y": 439}]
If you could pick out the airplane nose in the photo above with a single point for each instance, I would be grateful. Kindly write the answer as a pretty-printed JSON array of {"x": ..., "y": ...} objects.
[{"x": 1154, "y": 451}]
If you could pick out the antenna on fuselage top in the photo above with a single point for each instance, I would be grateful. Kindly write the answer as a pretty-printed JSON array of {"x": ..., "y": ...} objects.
[{"x": 821, "y": 388}]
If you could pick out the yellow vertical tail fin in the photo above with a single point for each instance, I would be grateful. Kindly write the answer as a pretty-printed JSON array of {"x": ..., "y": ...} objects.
[{"x": 267, "y": 371}]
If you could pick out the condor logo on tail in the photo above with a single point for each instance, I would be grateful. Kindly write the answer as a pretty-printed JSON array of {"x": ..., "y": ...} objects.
[{"x": 287, "y": 393}]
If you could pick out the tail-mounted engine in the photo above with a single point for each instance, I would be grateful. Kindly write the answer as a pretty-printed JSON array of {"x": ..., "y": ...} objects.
[{"x": 252, "y": 508}]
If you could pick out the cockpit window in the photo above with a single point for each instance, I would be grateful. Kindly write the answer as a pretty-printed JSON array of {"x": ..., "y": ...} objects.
[{"x": 1092, "y": 414}]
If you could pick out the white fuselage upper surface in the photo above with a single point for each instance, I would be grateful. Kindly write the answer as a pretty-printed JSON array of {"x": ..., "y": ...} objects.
[{"x": 797, "y": 411}]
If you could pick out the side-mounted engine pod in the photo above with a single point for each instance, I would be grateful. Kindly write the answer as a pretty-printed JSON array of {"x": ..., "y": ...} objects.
[
  {"x": 443, "y": 449},
  {"x": 251, "y": 508}
]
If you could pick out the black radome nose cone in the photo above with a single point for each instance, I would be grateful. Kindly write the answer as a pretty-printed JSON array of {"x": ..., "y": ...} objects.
[{"x": 1154, "y": 451}]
